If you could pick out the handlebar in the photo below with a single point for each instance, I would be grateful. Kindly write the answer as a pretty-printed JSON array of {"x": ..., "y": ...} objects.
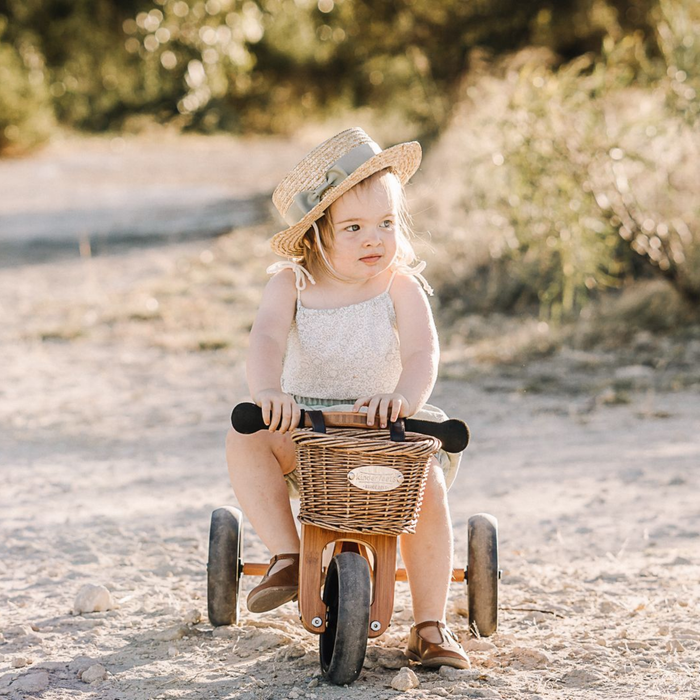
[{"x": 247, "y": 418}]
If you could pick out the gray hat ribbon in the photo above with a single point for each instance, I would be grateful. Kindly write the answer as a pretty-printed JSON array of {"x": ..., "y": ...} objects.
[{"x": 305, "y": 201}]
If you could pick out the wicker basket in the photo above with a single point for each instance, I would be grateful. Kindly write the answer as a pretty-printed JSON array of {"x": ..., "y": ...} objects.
[{"x": 357, "y": 480}]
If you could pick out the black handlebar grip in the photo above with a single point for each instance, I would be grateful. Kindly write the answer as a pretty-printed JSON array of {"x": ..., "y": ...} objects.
[
  {"x": 453, "y": 433},
  {"x": 247, "y": 418}
]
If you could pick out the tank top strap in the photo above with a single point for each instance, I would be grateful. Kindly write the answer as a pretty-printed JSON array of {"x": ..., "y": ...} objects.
[
  {"x": 391, "y": 281},
  {"x": 301, "y": 274},
  {"x": 413, "y": 272}
]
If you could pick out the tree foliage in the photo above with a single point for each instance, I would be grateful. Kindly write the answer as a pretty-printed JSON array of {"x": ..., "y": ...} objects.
[
  {"x": 268, "y": 65},
  {"x": 584, "y": 175}
]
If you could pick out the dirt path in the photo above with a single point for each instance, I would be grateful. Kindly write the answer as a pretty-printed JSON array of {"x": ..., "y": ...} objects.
[
  {"x": 155, "y": 187},
  {"x": 112, "y": 428}
]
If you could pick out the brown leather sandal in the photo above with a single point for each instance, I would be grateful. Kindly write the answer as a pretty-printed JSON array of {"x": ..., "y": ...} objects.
[
  {"x": 449, "y": 652},
  {"x": 278, "y": 588}
]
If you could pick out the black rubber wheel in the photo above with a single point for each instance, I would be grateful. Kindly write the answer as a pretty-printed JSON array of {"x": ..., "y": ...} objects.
[
  {"x": 224, "y": 566},
  {"x": 347, "y": 594},
  {"x": 482, "y": 575}
]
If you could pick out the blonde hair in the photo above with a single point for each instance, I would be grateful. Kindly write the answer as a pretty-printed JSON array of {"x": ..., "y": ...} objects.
[{"x": 312, "y": 258}]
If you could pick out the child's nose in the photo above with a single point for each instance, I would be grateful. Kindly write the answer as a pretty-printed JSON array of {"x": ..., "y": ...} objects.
[{"x": 373, "y": 235}]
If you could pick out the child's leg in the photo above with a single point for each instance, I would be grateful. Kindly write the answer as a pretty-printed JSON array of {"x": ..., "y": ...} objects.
[
  {"x": 427, "y": 555},
  {"x": 256, "y": 464}
]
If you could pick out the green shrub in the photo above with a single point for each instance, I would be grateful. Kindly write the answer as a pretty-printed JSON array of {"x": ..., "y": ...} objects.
[
  {"x": 26, "y": 116},
  {"x": 573, "y": 179}
]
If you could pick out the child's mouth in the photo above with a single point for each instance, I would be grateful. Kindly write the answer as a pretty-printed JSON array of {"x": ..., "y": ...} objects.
[{"x": 370, "y": 258}]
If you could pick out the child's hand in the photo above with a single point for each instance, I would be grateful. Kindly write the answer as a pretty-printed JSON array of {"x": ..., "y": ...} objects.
[
  {"x": 279, "y": 410},
  {"x": 387, "y": 407}
]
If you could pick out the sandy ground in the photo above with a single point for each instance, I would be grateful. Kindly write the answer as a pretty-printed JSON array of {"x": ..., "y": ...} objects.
[{"x": 112, "y": 421}]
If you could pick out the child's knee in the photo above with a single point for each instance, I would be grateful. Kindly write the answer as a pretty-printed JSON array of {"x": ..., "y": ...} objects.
[
  {"x": 234, "y": 441},
  {"x": 241, "y": 447},
  {"x": 240, "y": 443},
  {"x": 435, "y": 486}
]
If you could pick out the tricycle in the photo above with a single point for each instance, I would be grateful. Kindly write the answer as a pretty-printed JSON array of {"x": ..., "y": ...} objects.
[{"x": 360, "y": 487}]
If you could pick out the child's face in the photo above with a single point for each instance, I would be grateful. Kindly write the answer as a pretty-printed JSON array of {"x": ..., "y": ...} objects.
[{"x": 364, "y": 225}]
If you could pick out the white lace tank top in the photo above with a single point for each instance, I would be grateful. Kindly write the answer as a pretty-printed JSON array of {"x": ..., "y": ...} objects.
[
  {"x": 346, "y": 352},
  {"x": 343, "y": 353}
]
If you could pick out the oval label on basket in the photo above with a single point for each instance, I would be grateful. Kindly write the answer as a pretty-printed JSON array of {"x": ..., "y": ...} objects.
[{"x": 375, "y": 478}]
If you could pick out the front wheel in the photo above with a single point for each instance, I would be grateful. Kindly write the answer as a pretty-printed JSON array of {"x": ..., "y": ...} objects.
[
  {"x": 482, "y": 574},
  {"x": 347, "y": 596},
  {"x": 224, "y": 566}
]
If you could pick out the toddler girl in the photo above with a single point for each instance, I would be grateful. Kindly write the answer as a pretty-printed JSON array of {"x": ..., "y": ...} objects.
[{"x": 344, "y": 323}]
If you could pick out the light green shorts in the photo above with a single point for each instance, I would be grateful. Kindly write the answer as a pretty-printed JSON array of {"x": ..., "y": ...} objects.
[{"x": 448, "y": 461}]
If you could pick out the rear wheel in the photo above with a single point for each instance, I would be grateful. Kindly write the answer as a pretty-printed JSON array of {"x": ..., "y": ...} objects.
[
  {"x": 482, "y": 575},
  {"x": 224, "y": 566},
  {"x": 347, "y": 596}
]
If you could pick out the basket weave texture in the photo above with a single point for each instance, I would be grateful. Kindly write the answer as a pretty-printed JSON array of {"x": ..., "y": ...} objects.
[{"x": 329, "y": 499}]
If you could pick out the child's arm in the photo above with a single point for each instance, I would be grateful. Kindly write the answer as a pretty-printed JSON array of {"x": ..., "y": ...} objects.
[
  {"x": 268, "y": 342},
  {"x": 420, "y": 355}
]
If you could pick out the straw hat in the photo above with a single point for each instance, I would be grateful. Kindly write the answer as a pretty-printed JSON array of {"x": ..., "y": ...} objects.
[{"x": 329, "y": 171}]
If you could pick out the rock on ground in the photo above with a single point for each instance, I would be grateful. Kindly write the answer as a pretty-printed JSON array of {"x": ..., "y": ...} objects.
[
  {"x": 95, "y": 673},
  {"x": 34, "y": 682},
  {"x": 92, "y": 598},
  {"x": 405, "y": 679}
]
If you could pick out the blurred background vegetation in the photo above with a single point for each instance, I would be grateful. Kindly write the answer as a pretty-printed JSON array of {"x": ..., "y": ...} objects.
[{"x": 563, "y": 136}]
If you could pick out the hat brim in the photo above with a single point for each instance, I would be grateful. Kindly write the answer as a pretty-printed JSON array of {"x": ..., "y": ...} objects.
[{"x": 404, "y": 159}]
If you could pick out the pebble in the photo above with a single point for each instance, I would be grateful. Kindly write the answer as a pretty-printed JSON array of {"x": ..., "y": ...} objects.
[
  {"x": 526, "y": 658},
  {"x": 80, "y": 663},
  {"x": 441, "y": 692},
  {"x": 95, "y": 673},
  {"x": 225, "y": 632},
  {"x": 18, "y": 630},
  {"x": 405, "y": 679},
  {"x": 385, "y": 657},
  {"x": 35, "y": 682},
  {"x": 674, "y": 645},
  {"x": 20, "y": 662},
  {"x": 92, "y": 598},
  {"x": 631, "y": 644},
  {"x": 507, "y": 639},
  {"x": 313, "y": 684},
  {"x": 193, "y": 617},
  {"x": 173, "y": 652},
  {"x": 171, "y": 634},
  {"x": 581, "y": 678},
  {"x": 457, "y": 674},
  {"x": 536, "y": 616},
  {"x": 295, "y": 652}
]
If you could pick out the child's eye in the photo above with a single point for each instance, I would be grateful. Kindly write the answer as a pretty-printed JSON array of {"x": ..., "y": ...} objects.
[
  {"x": 352, "y": 228},
  {"x": 387, "y": 223}
]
